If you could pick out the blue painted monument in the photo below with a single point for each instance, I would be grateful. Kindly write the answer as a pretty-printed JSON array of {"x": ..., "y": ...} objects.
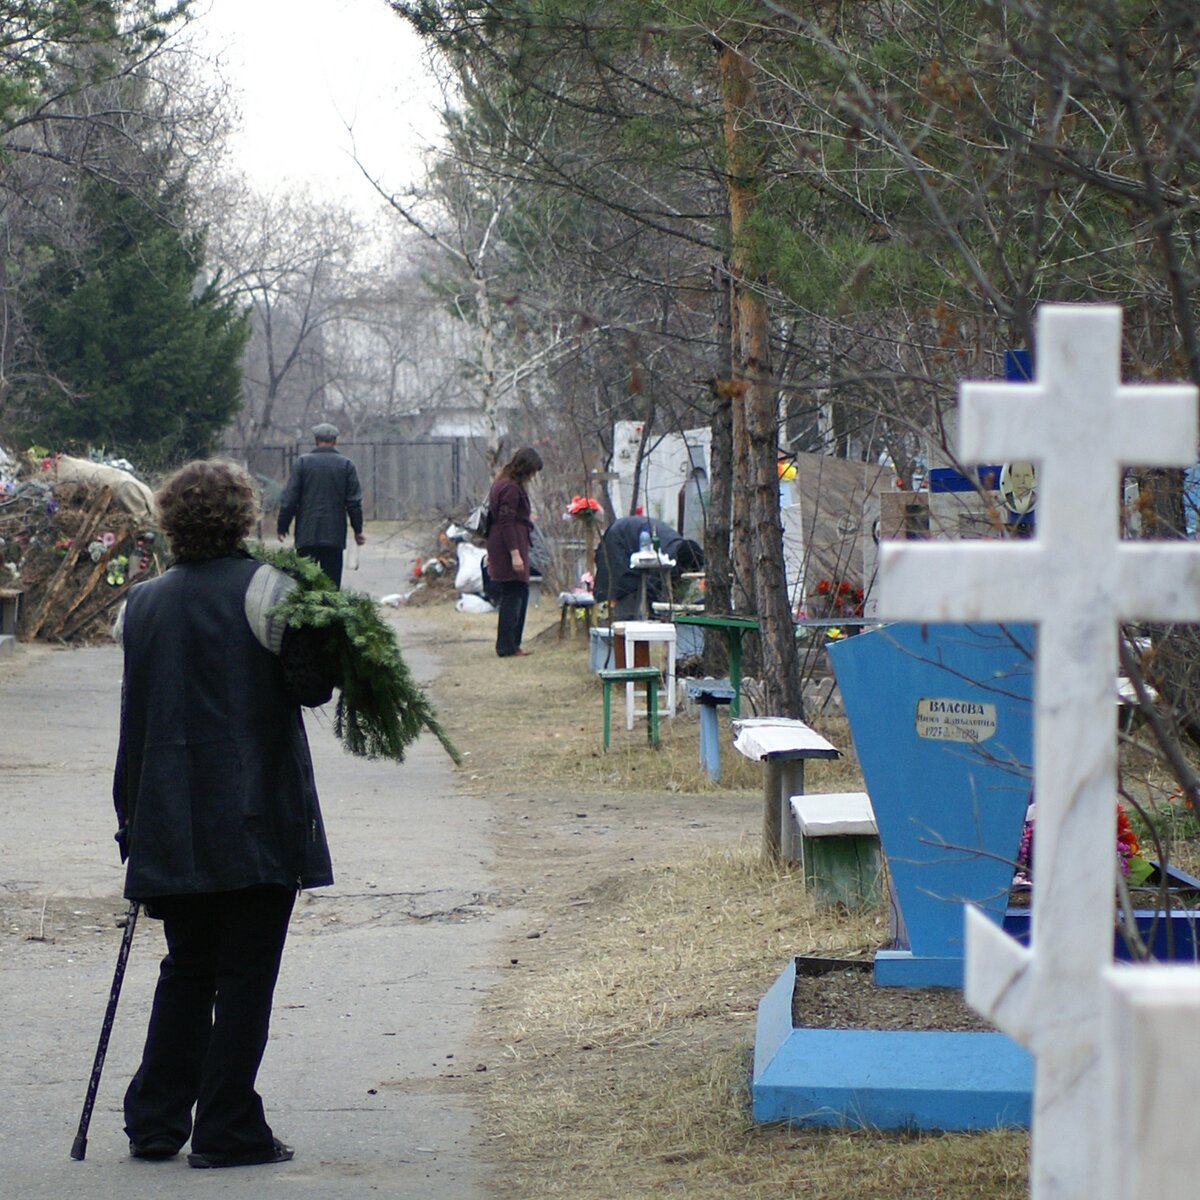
[{"x": 941, "y": 717}]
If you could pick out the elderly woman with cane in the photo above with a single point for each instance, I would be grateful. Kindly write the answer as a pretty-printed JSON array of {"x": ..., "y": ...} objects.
[{"x": 218, "y": 813}]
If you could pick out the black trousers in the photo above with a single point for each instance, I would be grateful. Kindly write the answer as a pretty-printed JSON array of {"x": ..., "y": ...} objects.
[
  {"x": 328, "y": 558},
  {"x": 510, "y": 625},
  {"x": 208, "y": 1027}
]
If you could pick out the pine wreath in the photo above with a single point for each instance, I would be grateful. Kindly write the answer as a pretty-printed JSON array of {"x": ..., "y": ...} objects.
[{"x": 381, "y": 710}]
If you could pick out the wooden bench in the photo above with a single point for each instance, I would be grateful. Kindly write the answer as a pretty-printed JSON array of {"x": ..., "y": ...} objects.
[
  {"x": 839, "y": 847},
  {"x": 781, "y": 744},
  {"x": 709, "y": 694},
  {"x": 571, "y": 607},
  {"x": 650, "y": 676}
]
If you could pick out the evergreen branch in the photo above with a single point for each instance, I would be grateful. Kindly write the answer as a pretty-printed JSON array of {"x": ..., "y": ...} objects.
[{"x": 381, "y": 709}]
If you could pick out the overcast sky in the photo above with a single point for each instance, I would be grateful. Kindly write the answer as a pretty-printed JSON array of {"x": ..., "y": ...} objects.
[{"x": 304, "y": 70}]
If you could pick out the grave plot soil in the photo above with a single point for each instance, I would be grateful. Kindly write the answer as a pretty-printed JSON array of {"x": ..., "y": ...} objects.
[{"x": 845, "y": 997}]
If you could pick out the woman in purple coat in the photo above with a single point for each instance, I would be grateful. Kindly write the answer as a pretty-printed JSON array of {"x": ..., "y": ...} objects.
[{"x": 508, "y": 547}]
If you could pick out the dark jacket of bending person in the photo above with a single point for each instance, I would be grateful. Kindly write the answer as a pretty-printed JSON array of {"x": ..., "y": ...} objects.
[{"x": 618, "y": 582}]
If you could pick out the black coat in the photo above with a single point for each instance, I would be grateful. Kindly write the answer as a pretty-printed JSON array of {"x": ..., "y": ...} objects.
[
  {"x": 322, "y": 491},
  {"x": 214, "y": 782},
  {"x": 614, "y": 576}
]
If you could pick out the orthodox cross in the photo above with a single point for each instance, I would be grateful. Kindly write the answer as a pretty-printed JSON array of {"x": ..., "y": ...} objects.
[{"x": 1077, "y": 580}]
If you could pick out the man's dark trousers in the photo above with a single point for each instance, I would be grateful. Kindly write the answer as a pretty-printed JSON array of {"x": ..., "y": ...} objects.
[
  {"x": 208, "y": 1028},
  {"x": 328, "y": 558}
]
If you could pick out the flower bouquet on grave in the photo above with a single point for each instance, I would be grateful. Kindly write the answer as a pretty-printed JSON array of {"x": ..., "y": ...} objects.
[
  {"x": 584, "y": 509},
  {"x": 835, "y": 598},
  {"x": 381, "y": 710},
  {"x": 1133, "y": 865}
]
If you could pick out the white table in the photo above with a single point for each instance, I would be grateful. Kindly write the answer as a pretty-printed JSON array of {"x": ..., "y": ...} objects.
[{"x": 644, "y": 633}]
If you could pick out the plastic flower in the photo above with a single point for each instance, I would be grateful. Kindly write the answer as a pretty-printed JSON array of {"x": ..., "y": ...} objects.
[
  {"x": 583, "y": 506},
  {"x": 1127, "y": 842},
  {"x": 1129, "y": 852}
]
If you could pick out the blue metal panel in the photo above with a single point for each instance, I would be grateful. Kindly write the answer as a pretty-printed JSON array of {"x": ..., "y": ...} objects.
[
  {"x": 1170, "y": 936},
  {"x": 950, "y": 813},
  {"x": 946, "y": 479},
  {"x": 1018, "y": 366}
]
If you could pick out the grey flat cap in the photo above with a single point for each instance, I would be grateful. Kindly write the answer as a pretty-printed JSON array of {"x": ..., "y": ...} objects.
[{"x": 325, "y": 432}]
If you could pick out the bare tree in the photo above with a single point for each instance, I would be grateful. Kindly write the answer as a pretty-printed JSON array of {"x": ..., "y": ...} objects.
[{"x": 292, "y": 258}]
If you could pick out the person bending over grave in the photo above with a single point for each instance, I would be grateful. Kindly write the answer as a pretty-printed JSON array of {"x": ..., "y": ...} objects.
[
  {"x": 218, "y": 813},
  {"x": 618, "y": 582}
]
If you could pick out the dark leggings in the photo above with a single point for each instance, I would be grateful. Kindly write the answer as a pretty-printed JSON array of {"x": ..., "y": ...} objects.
[
  {"x": 208, "y": 1027},
  {"x": 510, "y": 626}
]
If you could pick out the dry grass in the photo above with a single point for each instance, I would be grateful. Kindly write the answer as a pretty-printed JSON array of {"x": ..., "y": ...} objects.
[
  {"x": 620, "y": 1041},
  {"x": 628, "y": 1060},
  {"x": 553, "y": 721}
]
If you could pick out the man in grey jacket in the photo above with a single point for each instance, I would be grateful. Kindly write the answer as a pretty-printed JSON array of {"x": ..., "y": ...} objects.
[{"x": 322, "y": 492}]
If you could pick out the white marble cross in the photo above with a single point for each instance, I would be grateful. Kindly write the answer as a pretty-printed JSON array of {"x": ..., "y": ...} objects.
[{"x": 1077, "y": 580}]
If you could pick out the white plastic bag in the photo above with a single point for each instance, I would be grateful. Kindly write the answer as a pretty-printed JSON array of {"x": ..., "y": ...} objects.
[
  {"x": 470, "y": 603},
  {"x": 470, "y": 568}
]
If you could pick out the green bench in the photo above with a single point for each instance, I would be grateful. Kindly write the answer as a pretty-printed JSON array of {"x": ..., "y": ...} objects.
[
  {"x": 839, "y": 847},
  {"x": 650, "y": 676}
]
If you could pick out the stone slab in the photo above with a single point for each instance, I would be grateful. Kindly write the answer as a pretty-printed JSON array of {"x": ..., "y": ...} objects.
[{"x": 942, "y": 721}]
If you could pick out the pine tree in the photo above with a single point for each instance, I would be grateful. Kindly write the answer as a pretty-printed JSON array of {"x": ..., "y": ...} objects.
[{"x": 146, "y": 358}]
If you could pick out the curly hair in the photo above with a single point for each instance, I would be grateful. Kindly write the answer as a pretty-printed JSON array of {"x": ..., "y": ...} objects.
[{"x": 207, "y": 507}]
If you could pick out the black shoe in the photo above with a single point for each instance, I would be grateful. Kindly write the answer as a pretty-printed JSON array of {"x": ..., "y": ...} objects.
[
  {"x": 154, "y": 1148},
  {"x": 278, "y": 1153}
]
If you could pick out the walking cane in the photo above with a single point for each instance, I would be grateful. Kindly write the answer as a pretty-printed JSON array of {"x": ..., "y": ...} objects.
[{"x": 79, "y": 1148}]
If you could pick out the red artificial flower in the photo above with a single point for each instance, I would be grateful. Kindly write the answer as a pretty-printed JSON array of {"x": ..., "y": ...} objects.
[
  {"x": 583, "y": 506},
  {"x": 1125, "y": 835}
]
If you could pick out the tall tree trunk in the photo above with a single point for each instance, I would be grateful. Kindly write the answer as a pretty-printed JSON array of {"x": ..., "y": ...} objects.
[
  {"x": 489, "y": 402},
  {"x": 756, "y": 400},
  {"x": 717, "y": 565}
]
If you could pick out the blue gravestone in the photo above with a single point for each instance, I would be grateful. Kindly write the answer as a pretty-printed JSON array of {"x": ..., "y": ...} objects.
[{"x": 942, "y": 721}]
